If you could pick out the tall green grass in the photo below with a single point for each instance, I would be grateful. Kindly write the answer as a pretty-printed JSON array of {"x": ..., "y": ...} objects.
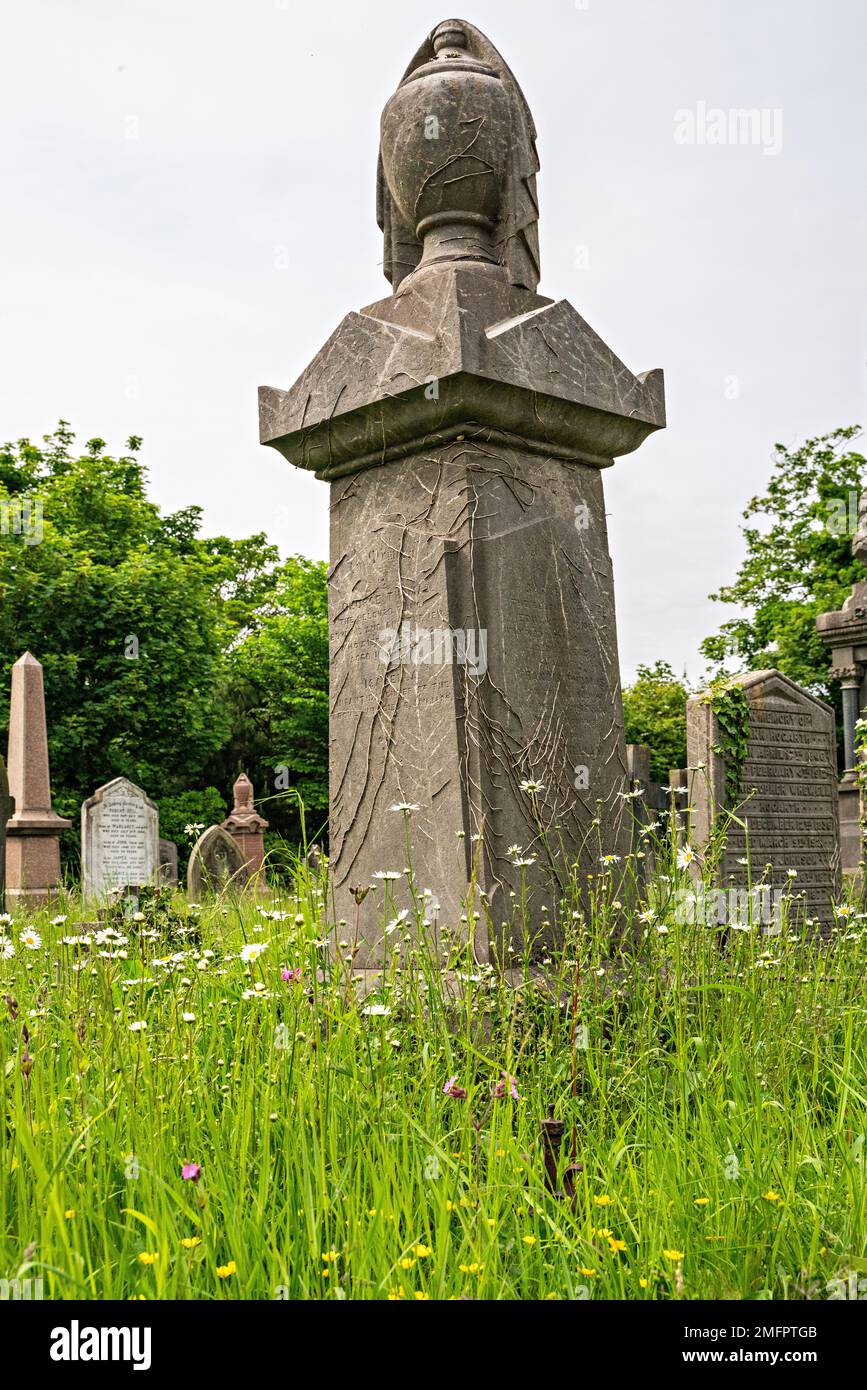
[{"x": 713, "y": 1092}]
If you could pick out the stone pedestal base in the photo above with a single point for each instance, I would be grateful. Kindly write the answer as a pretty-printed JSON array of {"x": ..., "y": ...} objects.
[
  {"x": 32, "y": 867},
  {"x": 252, "y": 845},
  {"x": 850, "y": 825}
]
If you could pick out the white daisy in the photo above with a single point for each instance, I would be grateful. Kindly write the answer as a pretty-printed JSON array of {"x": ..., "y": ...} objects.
[{"x": 253, "y": 950}]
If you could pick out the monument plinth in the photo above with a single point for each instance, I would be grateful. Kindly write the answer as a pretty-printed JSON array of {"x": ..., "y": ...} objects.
[
  {"x": 463, "y": 423},
  {"x": 33, "y": 832}
]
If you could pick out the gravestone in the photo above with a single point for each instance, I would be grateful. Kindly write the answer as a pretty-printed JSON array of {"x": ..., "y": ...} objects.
[
  {"x": 247, "y": 828},
  {"x": 119, "y": 839},
  {"x": 463, "y": 424},
  {"x": 216, "y": 865},
  {"x": 168, "y": 872},
  {"x": 788, "y": 791},
  {"x": 33, "y": 831}
]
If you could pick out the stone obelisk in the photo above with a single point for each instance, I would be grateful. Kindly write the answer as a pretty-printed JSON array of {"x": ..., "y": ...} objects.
[
  {"x": 33, "y": 832},
  {"x": 463, "y": 424}
]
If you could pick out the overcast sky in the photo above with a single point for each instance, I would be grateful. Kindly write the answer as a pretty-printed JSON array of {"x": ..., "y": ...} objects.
[{"x": 189, "y": 212}]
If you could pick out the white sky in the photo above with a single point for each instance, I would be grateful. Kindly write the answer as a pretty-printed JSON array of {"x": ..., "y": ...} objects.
[{"x": 160, "y": 159}]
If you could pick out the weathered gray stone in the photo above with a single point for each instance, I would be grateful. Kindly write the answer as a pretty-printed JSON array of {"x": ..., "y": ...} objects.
[
  {"x": 217, "y": 865},
  {"x": 845, "y": 633},
  {"x": 788, "y": 793},
  {"x": 463, "y": 423},
  {"x": 168, "y": 863},
  {"x": 119, "y": 839}
]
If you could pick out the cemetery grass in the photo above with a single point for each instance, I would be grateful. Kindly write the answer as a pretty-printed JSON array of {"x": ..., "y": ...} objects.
[{"x": 203, "y": 1105}]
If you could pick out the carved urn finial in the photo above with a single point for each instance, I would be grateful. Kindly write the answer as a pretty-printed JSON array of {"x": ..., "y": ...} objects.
[
  {"x": 458, "y": 164},
  {"x": 451, "y": 36}
]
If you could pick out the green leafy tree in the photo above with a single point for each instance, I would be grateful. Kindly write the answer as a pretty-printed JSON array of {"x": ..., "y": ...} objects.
[
  {"x": 654, "y": 712},
  {"x": 194, "y": 809},
  {"x": 798, "y": 562},
  {"x": 130, "y": 612},
  {"x": 277, "y": 694}
]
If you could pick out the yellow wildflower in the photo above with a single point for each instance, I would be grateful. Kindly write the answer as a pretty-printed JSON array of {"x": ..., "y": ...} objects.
[
  {"x": 148, "y": 1258},
  {"x": 673, "y": 1254},
  {"x": 225, "y": 1271},
  {"x": 529, "y": 1240},
  {"x": 771, "y": 1195},
  {"x": 190, "y": 1242},
  {"x": 602, "y": 1201}
]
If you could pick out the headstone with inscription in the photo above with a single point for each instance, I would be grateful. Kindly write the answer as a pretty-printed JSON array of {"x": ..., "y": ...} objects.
[
  {"x": 463, "y": 424},
  {"x": 788, "y": 792},
  {"x": 217, "y": 865},
  {"x": 119, "y": 839}
]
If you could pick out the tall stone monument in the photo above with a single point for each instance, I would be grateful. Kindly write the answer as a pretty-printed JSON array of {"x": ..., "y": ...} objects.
[
  {"x": 787, "y": 796},
  {"x": 247, "y": 828},
  {"x": 120, "y": 837},
  {"x": 845, "y": 632},
  {"x": 463, "y": 424},
  {"x": 33, "y": 832}
]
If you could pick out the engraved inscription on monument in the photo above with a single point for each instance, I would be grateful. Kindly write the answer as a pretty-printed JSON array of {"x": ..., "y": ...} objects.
[
  {"x": 119, "y": 838},
  {"x": 788, "y": 796}
]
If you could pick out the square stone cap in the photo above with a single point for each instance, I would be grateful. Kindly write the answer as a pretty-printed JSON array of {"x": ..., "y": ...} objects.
[{"x": 505, "y": 362}]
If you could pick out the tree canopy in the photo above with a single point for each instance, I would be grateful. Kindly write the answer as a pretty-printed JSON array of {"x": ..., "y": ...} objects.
[
  {"x": 654, "y": 712},
  {"x": 798, "y": 561},
  {"x": 161, "y": 648}
]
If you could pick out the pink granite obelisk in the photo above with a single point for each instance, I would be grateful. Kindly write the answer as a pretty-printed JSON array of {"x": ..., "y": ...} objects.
[
  {"x": 33, "y": 832},
  {"x": 247, "y": 828}
]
